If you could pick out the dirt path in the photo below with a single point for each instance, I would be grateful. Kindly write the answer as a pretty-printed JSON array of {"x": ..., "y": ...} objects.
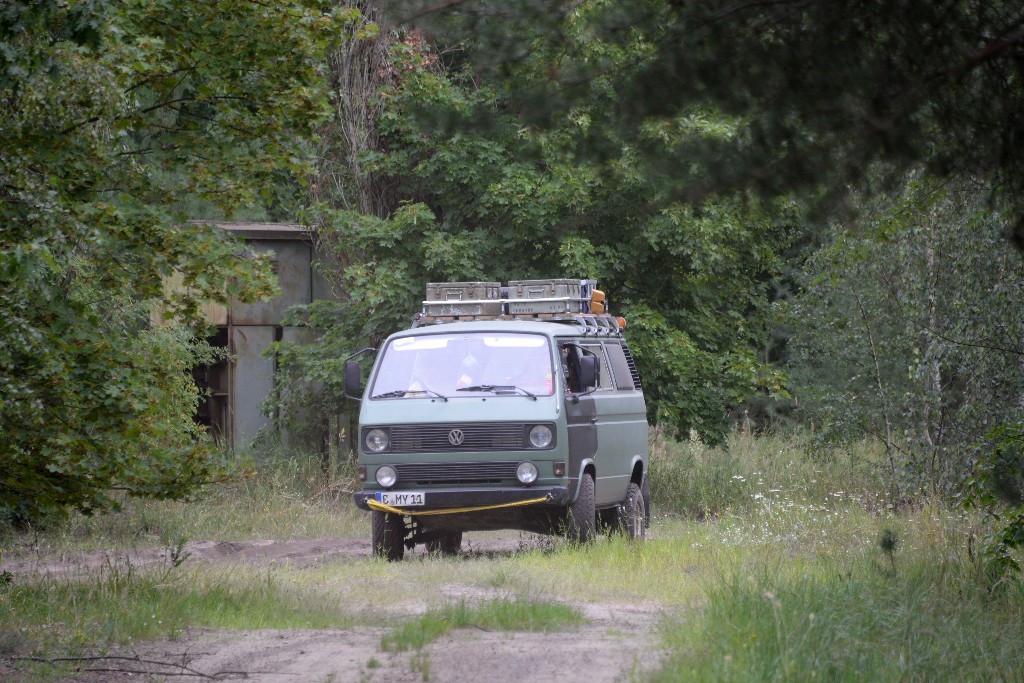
[
  {"x": 601, "y": 651},
  {"x": 305, "y": 553},
  {"x": 616, "y": 643}
]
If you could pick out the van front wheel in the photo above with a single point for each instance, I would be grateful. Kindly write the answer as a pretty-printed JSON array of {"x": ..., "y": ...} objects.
[
  {"x": 582, "y": 525},
  {"x": 387, "y": 533}
]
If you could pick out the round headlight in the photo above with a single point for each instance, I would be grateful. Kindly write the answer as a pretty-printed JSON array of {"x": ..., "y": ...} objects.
[
  {"x": 386, "y": 476},
  {"x": 540, "y": 436},
  {"x": 526, "y": 472},
  {"x": 376, "y": 440}
]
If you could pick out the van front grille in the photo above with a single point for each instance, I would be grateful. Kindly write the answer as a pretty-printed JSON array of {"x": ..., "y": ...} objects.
[
  {"x": 458, "y": 437},
  {"x": 456, "y": 473}
]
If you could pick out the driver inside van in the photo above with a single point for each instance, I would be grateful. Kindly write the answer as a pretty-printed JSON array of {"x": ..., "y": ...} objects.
[
  {"x": 532, "y": 371},
  {"x": 434, "y": 374},
  {"x": 427, "y": 377},
  {"x": 466, "y": 371}
]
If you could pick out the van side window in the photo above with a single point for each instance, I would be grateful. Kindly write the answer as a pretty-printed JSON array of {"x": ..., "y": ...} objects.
[
  {"x": 620, "y": 366},
  {"x": 605, "y": 380},
  {"x": 568, "y": 356}
]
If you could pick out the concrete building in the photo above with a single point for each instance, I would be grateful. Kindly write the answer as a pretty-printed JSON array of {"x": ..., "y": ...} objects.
[{"x": 236, "y": 388}]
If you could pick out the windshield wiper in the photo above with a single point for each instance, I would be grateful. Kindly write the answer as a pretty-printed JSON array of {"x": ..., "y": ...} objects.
[
  {"x": 497, "y": 389},
  {"x": 391, "y": 394},
  {"x": 399, "y": 393}
]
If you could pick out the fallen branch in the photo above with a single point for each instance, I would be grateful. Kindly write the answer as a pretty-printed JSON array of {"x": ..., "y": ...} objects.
[{"x": 182, "y": 669}]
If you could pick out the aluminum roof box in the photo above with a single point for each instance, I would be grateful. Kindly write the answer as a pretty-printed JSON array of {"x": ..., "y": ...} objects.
[
  {"x": 463, "y": 291},
  {"x": 544, "y": 289},
  {"x": 464, "y": 309}
]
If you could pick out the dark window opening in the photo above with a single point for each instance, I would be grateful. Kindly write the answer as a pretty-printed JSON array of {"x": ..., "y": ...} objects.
[{"x": 213, "y": 383}]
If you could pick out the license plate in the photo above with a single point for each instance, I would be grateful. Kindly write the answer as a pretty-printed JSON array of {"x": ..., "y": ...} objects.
[{"x": 400, "y": 499}]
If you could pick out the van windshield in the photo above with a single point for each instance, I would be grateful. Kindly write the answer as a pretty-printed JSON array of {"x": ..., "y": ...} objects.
[{"x": 460, "y": 365}]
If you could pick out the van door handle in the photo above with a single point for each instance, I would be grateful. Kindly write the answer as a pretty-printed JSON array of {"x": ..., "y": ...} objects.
[{"x": 593, "y": 420}]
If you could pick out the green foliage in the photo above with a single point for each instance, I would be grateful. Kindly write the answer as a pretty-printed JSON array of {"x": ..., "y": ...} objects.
[
  {"x": 745, "y": 475},
  {"x": 509, "y": 200},
  {"x": 687, "y": 385},
  {"x": 805, "y": 99},
  {"x": 285, "y": 494},
  {"x": 820, "y": 90},
  {"x": 907, "y": 328},
  {"x": 119, "y": 603},
  {"x": 997, "y": 487},
  {"x": 85, "y": 408},
  {"x": 932, "y": 623},
  {"x": 98, "y": 99},
  {"x": 786, "y": 580},
  {"x": 887, "y": 543},
  {"x": 1002, "y": 471}
]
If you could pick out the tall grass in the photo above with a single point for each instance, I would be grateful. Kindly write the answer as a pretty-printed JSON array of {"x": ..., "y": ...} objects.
[
  {"x": 277, "y": 494},
  {"x": 698, "y": 481},
  {"x": 922, "y": 623},
  {"x": 119, "y": 603},
  {"x": 768, "y": 560},
  {"x": 818, "y": 575}
]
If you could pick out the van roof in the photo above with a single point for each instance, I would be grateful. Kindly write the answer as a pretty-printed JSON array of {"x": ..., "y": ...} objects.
[{"x": 583, "y": 325}]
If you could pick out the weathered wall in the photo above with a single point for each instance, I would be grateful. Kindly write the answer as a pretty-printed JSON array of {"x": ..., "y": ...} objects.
[{"x": 249, "y": 329}]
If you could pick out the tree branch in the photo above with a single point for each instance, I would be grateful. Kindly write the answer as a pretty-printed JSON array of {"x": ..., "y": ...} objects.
[
  {"x": 431, "y": 9},
  {"x": 167, "y": 74},
  {"x": 182, "y": 669},
  {"x": 977, "y": 56}
]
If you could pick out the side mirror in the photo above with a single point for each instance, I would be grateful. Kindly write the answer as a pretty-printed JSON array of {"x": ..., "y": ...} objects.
[
  {"x": 589, "y": 372},
  {"x": 352, "y": 388}
]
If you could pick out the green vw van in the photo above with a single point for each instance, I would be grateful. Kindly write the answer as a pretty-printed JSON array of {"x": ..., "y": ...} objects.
[{"x": 515, "y": 407}]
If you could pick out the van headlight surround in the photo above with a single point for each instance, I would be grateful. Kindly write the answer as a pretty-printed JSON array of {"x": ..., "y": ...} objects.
[
  {"x": 386, "y": 476},
  {"x": 526, "y": 473},
  {"x": 376, "y": 440},
  {"x": 541, "y": 436}
]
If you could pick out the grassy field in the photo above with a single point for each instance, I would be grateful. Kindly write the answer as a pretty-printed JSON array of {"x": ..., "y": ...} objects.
[
  {"x": 766, "y": 561},
  {"x": 279, "y": 496}
]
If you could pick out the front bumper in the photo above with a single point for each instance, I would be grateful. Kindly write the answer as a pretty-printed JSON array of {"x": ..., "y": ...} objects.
[{"x": 453, "y": 498}]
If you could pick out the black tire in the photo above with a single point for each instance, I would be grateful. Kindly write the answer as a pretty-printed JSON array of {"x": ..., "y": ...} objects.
[
  {"x": 387, "y": 532},
  {"x": 582, "y": 522},
  {"x": 632, "y": 518},
  {"x": 448, "y": 545},
  {"x": 645, "y": 490}
]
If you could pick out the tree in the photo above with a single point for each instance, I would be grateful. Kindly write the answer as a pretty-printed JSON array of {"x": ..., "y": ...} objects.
[
  {"x": 822, "y": 89},
  {"x": 908, "y": 328},
  {"x": 513, "y": 201},
  {"x": 824, "y": 97},
  {"x": 113, "y": 114}
]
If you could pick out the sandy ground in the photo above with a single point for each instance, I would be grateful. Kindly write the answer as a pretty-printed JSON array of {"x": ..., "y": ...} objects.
[{"x": 617, "y": 642}]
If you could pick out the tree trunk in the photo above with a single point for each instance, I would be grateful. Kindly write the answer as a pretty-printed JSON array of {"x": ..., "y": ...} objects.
[
  {"x": 873, "y": 350},
  {"x": 358, "y": 71}
]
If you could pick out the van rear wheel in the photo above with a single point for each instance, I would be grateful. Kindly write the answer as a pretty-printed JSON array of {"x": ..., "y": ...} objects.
[
  {"x": 631, "y": 519},
  {"x": 582, "y": 526},
  {"x": 387, "y": 533},
  {"x": 447, "y": 545},
  {"x": 645, "y": 491}
]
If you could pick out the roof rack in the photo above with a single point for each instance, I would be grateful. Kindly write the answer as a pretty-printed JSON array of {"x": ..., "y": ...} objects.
[{"x": 577, "y": 302}]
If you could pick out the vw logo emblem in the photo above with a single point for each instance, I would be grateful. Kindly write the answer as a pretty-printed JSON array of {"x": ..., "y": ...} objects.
[{"x": 456, "y": 437}]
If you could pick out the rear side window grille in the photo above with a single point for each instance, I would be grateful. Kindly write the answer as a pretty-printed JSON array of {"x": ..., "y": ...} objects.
[{"x": 632, "y": 367}]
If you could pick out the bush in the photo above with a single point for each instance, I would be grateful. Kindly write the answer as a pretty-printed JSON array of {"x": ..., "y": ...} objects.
[{"x": 695, "y": 480}]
